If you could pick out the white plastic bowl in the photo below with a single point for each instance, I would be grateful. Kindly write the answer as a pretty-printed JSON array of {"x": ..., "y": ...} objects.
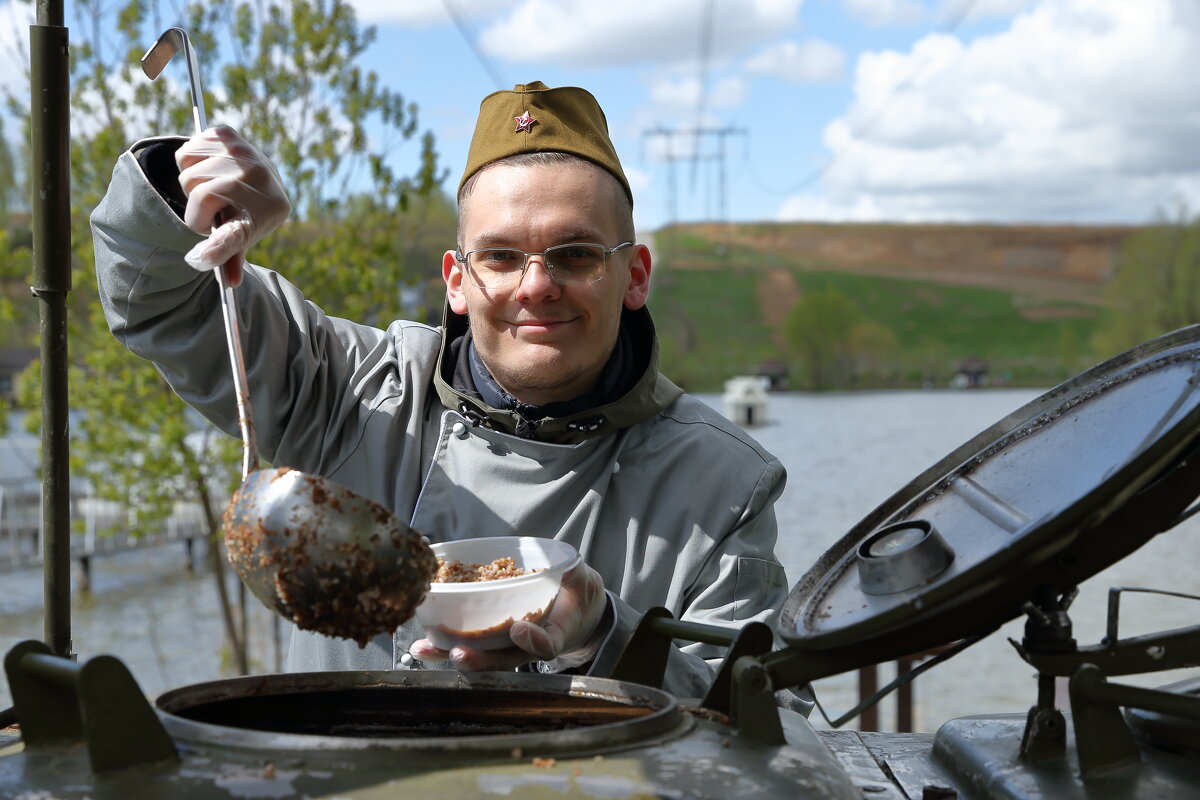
[{"x": 479, "y": 614}]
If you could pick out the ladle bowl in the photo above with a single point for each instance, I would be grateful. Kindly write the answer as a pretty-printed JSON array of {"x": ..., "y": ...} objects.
[{"x": 325, "y": 557}]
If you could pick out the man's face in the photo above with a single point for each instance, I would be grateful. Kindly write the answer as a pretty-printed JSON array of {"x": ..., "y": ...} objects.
[{"x": 543, "y": 342}]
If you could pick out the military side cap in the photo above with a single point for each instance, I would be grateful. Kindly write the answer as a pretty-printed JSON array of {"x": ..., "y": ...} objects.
[{"x": 534, "y": 118}]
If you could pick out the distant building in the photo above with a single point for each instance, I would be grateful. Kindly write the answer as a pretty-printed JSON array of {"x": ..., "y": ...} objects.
[
  {"x": 776, "y": 373},
  {"x": 970, "y": 373},
  {"x": 746, "y": 400},
  {"x": 13, "y": 361}
]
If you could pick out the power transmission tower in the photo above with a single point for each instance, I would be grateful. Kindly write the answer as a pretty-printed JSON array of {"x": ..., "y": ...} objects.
[{"x": 708, "y": 145}]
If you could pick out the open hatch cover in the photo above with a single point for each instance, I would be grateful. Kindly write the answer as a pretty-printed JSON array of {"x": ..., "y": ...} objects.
[{"x": 1043, "y": 499}]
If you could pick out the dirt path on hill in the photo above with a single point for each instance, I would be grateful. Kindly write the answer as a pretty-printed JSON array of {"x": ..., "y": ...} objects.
[{"x": 777, "y": 293}]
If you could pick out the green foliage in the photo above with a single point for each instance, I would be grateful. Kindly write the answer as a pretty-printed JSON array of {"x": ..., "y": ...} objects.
[
  {"x": 10, "y": 197},
  {"x": 709, "y": 326},
  {"x": 960, "y": 321},
  {"x": 872, "y": 350},
  {"x": 1156, "y": 288},
  {"x": 290, "y": 82},
  {"x": 292, "y": 85},
  {"x": 820, "y": 330},
  {"x": 906, "y": 331}
]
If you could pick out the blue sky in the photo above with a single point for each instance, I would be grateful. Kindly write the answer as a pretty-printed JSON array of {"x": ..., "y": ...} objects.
[
  {"x": 896, "y": 110},
  {"x": 1041, "y": 111}
]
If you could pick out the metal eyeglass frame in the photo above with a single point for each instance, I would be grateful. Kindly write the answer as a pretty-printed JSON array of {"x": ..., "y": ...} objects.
[{"x": 477, "y": 281}]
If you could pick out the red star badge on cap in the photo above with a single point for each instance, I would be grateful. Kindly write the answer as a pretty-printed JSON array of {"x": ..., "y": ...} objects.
[{"x": 524, "y": 123}]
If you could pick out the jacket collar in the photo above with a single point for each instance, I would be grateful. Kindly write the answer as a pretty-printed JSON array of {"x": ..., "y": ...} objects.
[{"x": 650, "y": 394}]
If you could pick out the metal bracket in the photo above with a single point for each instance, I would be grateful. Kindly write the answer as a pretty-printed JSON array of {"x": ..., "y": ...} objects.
[
  {"x": 1102, "y": 738},
  {"x": 644, "y": 659},
  {"x": 754, "y": 712},
  {"x": 742, "y": 687},
  {"x": 755, "y": 639},
  {"x": 1114, "y": 608},
  {"x": 60, "y": 702},
  {"x": 1045, "y": 736}
]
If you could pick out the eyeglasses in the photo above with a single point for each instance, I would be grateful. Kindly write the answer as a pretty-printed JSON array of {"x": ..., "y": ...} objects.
[{"x": 499, "y": 268}]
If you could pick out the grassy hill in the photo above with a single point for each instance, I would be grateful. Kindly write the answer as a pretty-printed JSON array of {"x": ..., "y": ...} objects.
[{"x": 1024, "y": 299}]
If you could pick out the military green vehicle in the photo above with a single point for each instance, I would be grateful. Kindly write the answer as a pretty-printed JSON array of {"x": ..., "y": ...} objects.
[{"x": 1008, "y": 524}]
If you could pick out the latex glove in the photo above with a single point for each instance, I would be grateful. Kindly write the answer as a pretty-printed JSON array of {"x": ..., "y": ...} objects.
[
  {"x": 568, "y": 637},
  {"x": 234, "y": 194}
]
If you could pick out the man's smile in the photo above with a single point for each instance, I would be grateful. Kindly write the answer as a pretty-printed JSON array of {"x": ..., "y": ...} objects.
[{"x": 536, "y": 326}]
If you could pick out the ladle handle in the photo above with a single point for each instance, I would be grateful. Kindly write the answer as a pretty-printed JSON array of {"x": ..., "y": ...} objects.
[
  {"x": 228, "y": 300},
  {"x": 238, "y": 362}
]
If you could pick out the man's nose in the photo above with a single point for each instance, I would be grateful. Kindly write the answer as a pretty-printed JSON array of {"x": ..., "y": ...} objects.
[{"x": 537, "y": 282}]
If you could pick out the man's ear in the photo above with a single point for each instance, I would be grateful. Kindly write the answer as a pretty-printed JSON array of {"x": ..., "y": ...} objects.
[
  {"x": 452, "y": 274},
  {"x": 639, "y": 278}
]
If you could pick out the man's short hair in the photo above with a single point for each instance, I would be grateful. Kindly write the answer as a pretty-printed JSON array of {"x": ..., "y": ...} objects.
[{"x": 553, "y": 158}]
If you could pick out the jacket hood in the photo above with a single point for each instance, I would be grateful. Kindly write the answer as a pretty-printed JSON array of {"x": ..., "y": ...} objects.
[{"x": 649, "y": 396}]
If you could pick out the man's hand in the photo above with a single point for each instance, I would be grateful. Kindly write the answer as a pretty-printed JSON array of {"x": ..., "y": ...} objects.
[
  {"x": 568, "y": 635},
  {"x": 234, "y": 192}
]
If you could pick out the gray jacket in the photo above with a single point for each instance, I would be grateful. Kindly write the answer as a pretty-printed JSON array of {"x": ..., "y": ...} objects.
[{"x": 668, "y": 501}]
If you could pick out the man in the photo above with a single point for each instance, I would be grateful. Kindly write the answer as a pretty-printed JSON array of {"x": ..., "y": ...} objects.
[{"x": 536, "y": 409}]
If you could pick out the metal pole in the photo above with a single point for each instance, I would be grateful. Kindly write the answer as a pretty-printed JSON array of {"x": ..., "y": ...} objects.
[
  {"x": 904, "y": 697},
  {"x": 868, "y": 684},
  {"x": 51, "y": 175}
]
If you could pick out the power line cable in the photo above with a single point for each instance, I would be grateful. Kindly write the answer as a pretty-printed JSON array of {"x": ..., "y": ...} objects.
[
  {"x": 471, "y": 38},
  {"x": 949, "y": 23},
  {"x": 706, "y": 35}
]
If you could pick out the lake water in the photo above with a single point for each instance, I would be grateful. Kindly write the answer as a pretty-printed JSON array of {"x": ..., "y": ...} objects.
[{"x": 845, "y": 453}]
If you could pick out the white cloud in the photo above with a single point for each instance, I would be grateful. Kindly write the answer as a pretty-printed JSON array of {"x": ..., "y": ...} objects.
[
  {"x": 418, "y": 13},
  {"x": 809, "y": 61},
  {"x": 979, "y": 9},
  {"x": 619, "y": 32},
  {"x": 639, "y": 180},
  {"x": 681, "y": 96},
  {"x": 824, "y": 209},
  {"x": 881, "y": 13},
  {"x": 1083, "y": 110}
]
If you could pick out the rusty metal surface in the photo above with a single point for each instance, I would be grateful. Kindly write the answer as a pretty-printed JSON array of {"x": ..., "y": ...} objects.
[
  {"x": 325, "y": 557},
  {"x": 701, "y": 758},
  {"x": 416, "y": 715},
  {"x": 697, "y": 754}
]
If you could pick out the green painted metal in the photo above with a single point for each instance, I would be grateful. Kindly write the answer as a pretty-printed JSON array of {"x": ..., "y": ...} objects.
[
  {"x": 50, "y": 121},
  {"x": 754, "y": 711},
  {"x": 61, "y": 703},
  {"x": 644, "y": 659},
  {"x": 981, "y": 754},
  {"x": 674, "y": 751},
  {"x": 755, "y": 639}
]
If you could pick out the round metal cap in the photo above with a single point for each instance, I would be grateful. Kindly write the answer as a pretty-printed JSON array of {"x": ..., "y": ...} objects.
[{"x": 902, "y": 556}]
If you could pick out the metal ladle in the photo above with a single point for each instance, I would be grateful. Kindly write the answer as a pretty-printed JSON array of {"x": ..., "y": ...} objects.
[{"x": 319, "y": 554}]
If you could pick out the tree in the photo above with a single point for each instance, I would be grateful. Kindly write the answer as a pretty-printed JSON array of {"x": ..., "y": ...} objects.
[
  {"x": 819, "y": 330},
  {"x": 873, "y": 349},
  {"x": 1156, "y": 285},
  {"x": 10, "y": 197},
  {"x": 290, "y": 82}
]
